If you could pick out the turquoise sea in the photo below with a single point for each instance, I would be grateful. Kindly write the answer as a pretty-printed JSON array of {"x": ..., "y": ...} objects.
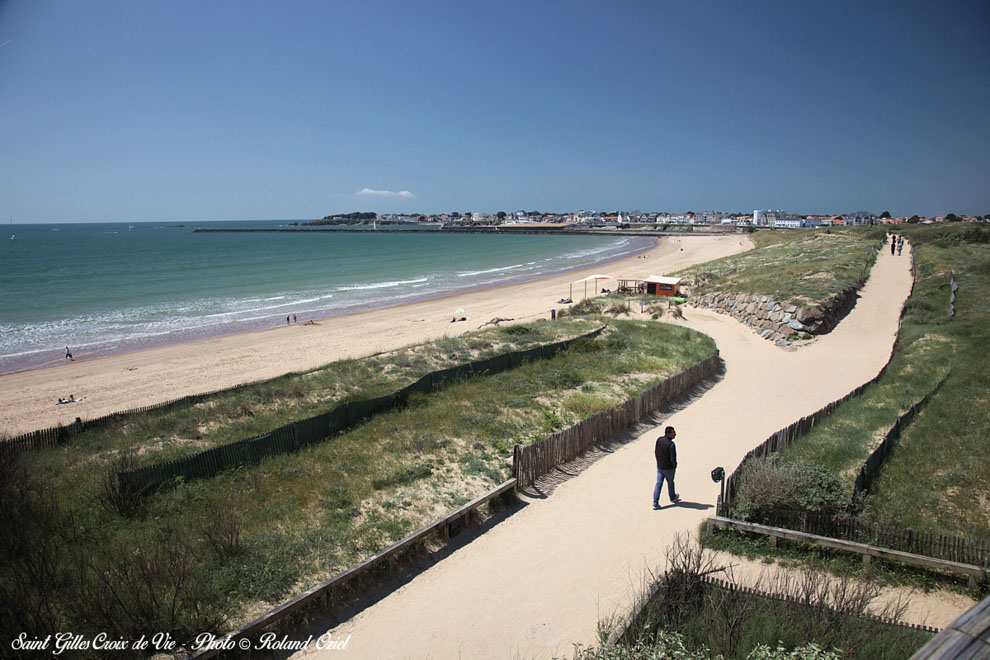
[{"x": 102, "y": 288}]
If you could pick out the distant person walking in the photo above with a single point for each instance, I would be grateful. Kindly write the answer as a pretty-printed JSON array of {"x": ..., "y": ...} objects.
[
  {"x": 666, "y": 454},
  {"x": 68, "y": 355},
  {"x": 893, "y": 244},
  {"x": 900, "y": 245}
]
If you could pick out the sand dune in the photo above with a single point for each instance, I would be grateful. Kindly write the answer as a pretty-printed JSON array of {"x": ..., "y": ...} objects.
[{"x": 543, "y": 578}]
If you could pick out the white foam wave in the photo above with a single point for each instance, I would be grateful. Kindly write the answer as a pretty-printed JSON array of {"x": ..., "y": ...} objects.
[
  {"x": 381, "y": 285},
  {"x": 471, "y": 273}
]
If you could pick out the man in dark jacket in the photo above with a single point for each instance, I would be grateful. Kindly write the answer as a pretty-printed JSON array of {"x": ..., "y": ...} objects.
[{"x": 666, "y": 455}]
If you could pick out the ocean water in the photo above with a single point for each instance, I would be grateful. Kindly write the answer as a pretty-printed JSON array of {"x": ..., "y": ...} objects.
[{"x": 102, "y": 288}]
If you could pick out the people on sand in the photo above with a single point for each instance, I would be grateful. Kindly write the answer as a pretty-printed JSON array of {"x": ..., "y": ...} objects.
[
  {"x": 900, "y": 245},
  {"x": 666, "y": 454},
  {"x": 455, "y": 319},
  {"x": 564, "y": 301},
  {"x": 68, "y": 355},
  {"x": 72, "y": 399},
  {"x": 893, "y": 246}
]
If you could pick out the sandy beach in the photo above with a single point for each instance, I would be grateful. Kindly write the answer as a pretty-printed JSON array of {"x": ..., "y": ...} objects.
[{"x": 132, "y": 380}]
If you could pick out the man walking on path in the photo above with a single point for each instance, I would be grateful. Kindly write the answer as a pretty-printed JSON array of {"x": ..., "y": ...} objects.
[{"x": 666, "y": 455}]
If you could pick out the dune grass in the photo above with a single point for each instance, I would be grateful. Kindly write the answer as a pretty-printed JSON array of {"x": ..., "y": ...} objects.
[
  {"x": 214, "y": 551},
  {"x": 936, "y": 480},
  {"x": 803, "y": 266},
  {"x": 254, "y": 409}
]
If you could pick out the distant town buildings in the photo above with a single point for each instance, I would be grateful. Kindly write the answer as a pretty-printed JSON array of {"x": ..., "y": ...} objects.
[{"x": 760, "y": 218}]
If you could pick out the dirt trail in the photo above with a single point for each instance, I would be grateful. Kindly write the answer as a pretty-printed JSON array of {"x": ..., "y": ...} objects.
[{"x": 542, "y": 579}]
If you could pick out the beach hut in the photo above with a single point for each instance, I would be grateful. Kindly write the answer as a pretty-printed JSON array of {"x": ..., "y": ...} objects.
[{"x": 657, "y": 285}]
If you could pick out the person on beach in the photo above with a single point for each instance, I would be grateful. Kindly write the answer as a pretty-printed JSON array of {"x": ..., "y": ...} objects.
[
  {"x": 294, "y": 319},
  {"x": 900, "y": 245},
  {"x": 68, "y": 355},
  {"x": 893, "y": 246},
  {"x": 666, "y": 455}
]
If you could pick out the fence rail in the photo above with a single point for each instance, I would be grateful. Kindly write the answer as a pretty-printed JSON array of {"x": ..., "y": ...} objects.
[
  {"x": 58, "y": 435},
  {"x": 633, "y": 621},
  {"x": 785, "y": 437},
  {"x": 973, "y": 571},
  {"x": 871, "y": 466},
  {"x": 531, "y": 462},
  {"x": 296, "y": 435},
  {"x": 448, "y": 526}
]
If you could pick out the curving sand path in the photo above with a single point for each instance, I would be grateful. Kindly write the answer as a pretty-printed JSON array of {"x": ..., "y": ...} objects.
[
  {"x": 542, "y": 579},
  {"x": 133, "y": 380}
]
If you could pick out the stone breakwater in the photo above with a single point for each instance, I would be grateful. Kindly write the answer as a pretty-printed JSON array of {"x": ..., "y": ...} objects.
[{"x": 780, "y": 322}]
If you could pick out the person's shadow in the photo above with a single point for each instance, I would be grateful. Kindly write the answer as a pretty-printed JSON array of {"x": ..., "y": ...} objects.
[{"x": 699, "y": 506}]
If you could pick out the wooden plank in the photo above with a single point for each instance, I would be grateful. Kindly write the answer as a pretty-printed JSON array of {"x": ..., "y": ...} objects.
[
  {"x": 851, "y": 546},
  {"x": 346, "y": 576}
]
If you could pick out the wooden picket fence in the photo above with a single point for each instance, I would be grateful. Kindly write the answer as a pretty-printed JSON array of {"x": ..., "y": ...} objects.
[
  {"x": 60, "y": 435},
  {"x": 871, "y": 466},
  {"x": 530, "y": 462},
  {"x": 296, "y": 435},
  {"x": 963, "y": 550},
  {"x": 634, "y": 622}
]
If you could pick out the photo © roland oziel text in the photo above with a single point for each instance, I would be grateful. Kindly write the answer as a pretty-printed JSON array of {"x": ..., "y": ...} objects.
[{"x": 59, "y": 643}]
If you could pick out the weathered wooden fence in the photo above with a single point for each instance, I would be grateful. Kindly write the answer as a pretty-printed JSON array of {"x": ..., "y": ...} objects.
[
  {"x": 785, "y": 437},
  {"x": 634, "y": 622},
  {"x": 530, "y": 462},
  {"x": 59, "y": 435},
  {"x": 321, "y": 596},
  {"x": 292, "y": 437},
  {"x": 871, "y": 466},
  {"x": 945, "y": 547}
]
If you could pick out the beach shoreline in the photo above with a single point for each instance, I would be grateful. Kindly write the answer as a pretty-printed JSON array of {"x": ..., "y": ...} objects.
[
  {"x": 209, "y": 324},
  {"x": 129, "y": 380}
]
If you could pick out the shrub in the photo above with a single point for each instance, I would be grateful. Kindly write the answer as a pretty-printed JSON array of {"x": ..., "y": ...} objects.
[
  {"x": 585, "y": 307},
  {"x": 616, "y": 309},
  {"x": 768, "y": 485}
]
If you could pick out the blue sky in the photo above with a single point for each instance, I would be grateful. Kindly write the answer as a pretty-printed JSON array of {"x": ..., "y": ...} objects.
[{"x": 217, "y": 110}]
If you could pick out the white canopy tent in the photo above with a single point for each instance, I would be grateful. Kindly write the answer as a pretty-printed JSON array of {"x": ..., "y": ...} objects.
[{"x": 592, "y": 278}]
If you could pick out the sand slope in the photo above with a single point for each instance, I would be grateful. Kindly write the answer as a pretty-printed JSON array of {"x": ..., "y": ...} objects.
[{"x": 542, "y": 579}]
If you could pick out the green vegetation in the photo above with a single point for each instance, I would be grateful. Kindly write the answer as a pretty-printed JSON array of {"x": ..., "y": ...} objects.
[
  {"x": 255, "y": 409},
  {"x": 212, "y": 551},
  {"x": 936, "y": 480},
  {"x": 803, "y": 267},
  {"x": 815, "y": 616}
]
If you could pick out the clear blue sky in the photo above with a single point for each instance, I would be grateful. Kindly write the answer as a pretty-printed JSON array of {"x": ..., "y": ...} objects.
[{"x": 123, "y": 110}]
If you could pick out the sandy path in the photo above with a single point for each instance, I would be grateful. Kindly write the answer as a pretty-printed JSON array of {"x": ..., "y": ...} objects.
[
  {"x": 542, "y": 579},
  {"x": 127, "y": 381},
  {"x": 937, "y": 608}
]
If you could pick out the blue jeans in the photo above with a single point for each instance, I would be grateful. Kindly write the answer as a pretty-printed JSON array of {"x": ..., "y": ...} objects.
[{"x": 669, "y": 476}]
